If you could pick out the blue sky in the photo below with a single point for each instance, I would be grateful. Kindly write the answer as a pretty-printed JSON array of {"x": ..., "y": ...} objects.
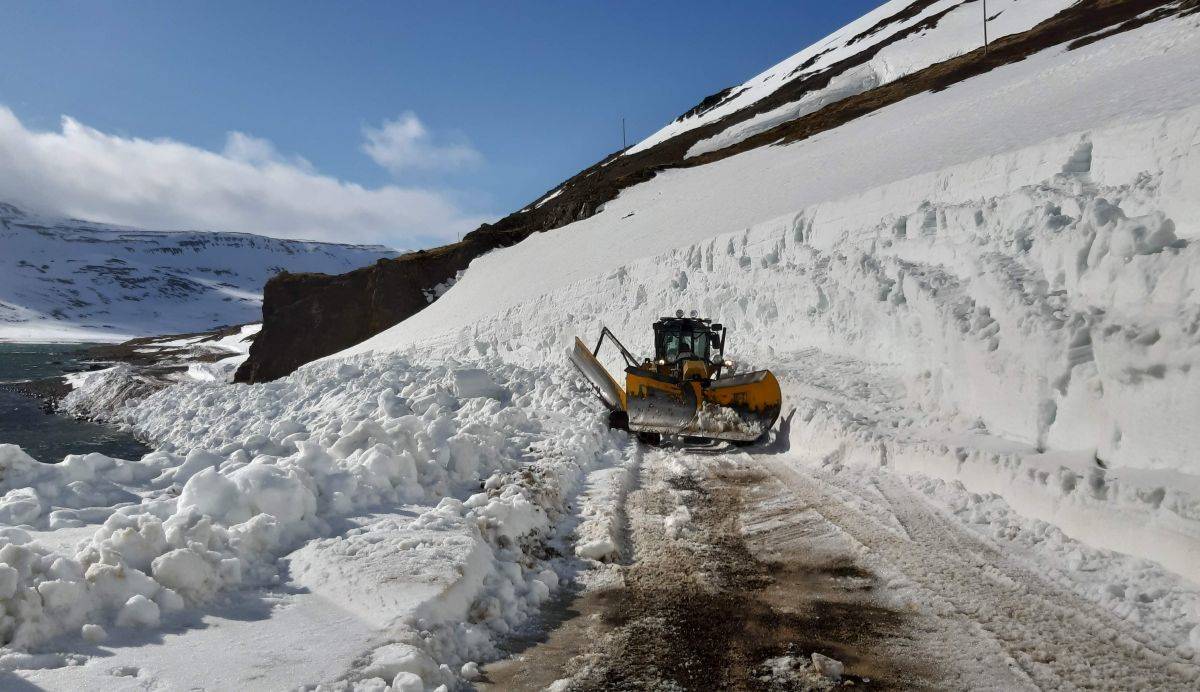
[{"x": 492, "y": 103}]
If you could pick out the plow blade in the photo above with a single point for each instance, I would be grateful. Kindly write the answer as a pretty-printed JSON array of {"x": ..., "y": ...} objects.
[
  {"x": 738, "y": 409},
  {"x": 606, "y": 387},
  {"x": 658, "y": 405}
]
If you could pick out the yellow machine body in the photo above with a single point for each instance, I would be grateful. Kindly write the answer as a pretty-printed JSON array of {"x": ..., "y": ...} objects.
[{"x": 687, "y": 396}]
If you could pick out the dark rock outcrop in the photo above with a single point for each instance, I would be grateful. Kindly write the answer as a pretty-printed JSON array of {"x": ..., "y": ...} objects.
[{"x": 308, "y": 316}]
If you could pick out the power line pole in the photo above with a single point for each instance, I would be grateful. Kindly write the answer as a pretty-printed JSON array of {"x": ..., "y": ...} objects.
[{"x": 985, "y": 40}]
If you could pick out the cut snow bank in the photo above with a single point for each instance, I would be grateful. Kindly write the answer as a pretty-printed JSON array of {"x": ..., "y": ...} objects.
[
  {"x": 1060, "y": 312},
  {"x": 1047, "y": 295}
]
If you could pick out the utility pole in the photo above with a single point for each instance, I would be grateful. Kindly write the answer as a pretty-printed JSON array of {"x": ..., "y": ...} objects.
[
  {"x": 985, "y": 41},
  {"x": 623, "y": 133}
]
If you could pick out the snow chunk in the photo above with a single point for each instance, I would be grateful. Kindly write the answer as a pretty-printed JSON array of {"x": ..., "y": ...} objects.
[
  {"x": 602, "y": 549},
  {"x": 93, "y": 633},
  {"x": 186, "y": 572},
  {"x": 470, "y": 671},
  {"x": 475, "y": 382},
  {"x": 407, "y": 682},
  {"x": 138, "y": 611}
]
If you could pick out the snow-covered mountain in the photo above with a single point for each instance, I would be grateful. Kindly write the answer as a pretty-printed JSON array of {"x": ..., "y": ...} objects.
[
  {"x": 977, "y": 279},
  {"x": 892, "y": 41},
  {"x": 65, "y": 279}
]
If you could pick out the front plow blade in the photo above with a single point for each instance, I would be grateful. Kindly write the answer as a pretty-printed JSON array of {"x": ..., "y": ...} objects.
[
  {"x": 606, "y": 387},
  {"x": 740, "y": 408},
  {"x": 737, "y": 409},
  {"x": 659, "y": 406}
]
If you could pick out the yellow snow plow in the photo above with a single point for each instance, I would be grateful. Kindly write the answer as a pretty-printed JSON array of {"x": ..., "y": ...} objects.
[{"x": 688, "y": 389}]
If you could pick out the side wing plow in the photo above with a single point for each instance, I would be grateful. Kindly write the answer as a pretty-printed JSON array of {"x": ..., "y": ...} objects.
[{"x": 606, "y": 387}]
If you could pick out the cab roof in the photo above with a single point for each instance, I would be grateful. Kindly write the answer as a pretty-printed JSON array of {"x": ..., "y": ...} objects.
[{"x": 689, "y": 323}]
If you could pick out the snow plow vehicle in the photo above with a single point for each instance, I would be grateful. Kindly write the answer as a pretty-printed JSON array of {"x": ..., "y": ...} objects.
[{"x": 687, "y": 389}]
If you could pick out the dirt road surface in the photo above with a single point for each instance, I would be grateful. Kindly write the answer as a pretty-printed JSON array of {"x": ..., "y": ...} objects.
[{"x": 741, "y": 571}]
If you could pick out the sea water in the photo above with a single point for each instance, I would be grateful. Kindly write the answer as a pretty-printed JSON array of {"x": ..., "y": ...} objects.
[{"x": 48, "y": 437}]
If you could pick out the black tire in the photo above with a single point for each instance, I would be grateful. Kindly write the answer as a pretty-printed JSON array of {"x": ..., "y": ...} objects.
[
  {"x": 618, "y": 420},
  {"x": 652, "y": 439}
]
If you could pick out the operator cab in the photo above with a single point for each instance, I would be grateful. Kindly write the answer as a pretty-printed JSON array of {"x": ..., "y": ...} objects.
[{"x": 680, "y": 339}]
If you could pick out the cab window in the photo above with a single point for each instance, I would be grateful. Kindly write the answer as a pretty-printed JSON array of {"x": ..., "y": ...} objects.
[{"x": 686, "y": 343}]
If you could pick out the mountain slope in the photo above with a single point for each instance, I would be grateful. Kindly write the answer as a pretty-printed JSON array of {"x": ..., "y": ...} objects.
[
  {"x": 64, "y": 279},
  {"x": 895, "y": 39},
  {"x": 904, "y": 50}
]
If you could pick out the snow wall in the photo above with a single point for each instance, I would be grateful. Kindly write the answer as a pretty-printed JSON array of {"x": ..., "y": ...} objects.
[{"x": 1044, "y": 298}]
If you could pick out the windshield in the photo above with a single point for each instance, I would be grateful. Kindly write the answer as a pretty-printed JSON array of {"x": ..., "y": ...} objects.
[{"x": 686, "y": 344}]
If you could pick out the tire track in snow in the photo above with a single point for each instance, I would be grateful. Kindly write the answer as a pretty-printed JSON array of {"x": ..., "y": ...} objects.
[
  {"x": 697, "y": 609},
  {"x": 1058, "y": 639}
]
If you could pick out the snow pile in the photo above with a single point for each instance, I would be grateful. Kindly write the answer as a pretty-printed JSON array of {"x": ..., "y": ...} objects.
[
  {"x": 249, "y": 474},
  {"x": 55, "y": 496},
  {"x": 97, "y": 394}
]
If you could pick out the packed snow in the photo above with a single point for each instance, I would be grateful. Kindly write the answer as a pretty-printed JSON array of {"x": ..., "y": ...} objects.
[{"x": 71, "y": 280}]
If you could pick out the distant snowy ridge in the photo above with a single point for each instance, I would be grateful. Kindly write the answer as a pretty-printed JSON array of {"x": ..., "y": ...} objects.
[{"x": 71, "y": 280}]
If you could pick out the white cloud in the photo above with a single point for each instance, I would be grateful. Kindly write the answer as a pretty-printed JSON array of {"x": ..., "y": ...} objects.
[
  {"x": 249, "y": 186},
  {"x": 405, "y": 144},
  {"x": 257, "y": 151}
]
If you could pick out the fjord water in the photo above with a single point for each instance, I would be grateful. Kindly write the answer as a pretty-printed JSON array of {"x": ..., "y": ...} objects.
[{"x": 48, "y": 437}]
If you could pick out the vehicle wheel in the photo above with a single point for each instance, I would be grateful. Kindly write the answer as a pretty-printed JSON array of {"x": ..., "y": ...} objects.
[
  {"x": 618, "y": 420},
  {"x": 649, "y": 438}
]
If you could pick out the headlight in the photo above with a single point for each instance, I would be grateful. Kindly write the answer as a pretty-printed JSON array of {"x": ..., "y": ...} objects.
[
  {"x": 661, "y": 361},
  {"x": 729, "y": 363}
]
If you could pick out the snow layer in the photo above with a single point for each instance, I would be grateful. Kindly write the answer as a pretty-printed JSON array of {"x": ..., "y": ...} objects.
[
  {"x": 958, "y": 31},
  {"x": 71, "y": 280}
]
